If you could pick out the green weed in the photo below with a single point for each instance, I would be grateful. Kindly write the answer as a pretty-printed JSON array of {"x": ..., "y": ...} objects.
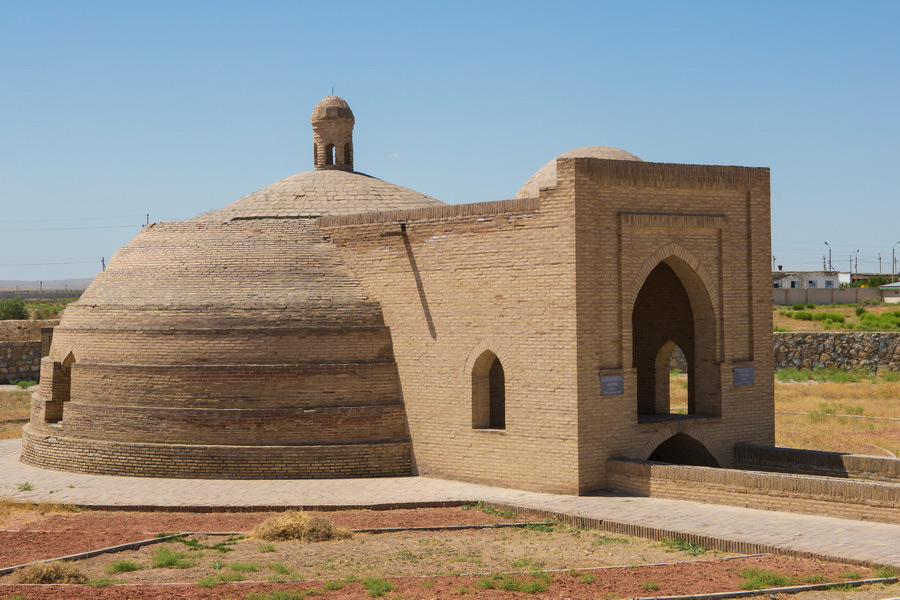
[
  {"x": 650, "y": 586},
  {"x": 686, "y": 546},
  {"x": 506, "y": 513},
  {"x": 267, "y": 547},
  {"x": 25, "y": 487},
  {"x": 851, "y": 575},
  {"x": 123, "y": 566},
  {"x": 103, "y": 582},
  {"x": 168, "y": 558},
  {"x": 758, "y": 579},
  {"x": 884, "y": 572},
  {"x": 338, "y": 585},
  {"x": 377, "y": 587},
  {"x": 220, "y": 578}
]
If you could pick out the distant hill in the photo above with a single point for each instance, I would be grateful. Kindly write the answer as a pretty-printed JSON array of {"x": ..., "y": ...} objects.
[{"x": 55, "y": 284}]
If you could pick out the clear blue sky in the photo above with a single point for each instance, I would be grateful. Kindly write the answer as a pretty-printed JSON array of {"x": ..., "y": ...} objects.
[{"x": 118, "y": 109}]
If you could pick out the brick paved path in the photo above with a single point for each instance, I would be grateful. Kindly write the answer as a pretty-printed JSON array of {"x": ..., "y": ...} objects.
[{"x": 836, "y": 538}]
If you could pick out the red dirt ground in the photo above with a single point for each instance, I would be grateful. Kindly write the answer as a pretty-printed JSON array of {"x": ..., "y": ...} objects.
[
  {"x": 685, "y": 578},
  {"x": 41, "y": 537}
]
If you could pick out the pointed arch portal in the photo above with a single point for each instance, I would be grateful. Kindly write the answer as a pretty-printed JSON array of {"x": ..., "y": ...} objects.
[{"x": 673, "y": 309}]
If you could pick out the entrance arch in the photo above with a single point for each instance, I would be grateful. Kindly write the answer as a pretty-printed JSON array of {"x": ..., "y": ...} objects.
[
  {"x": 682, "y": 449},
  {"x": 673, "y": 308}
]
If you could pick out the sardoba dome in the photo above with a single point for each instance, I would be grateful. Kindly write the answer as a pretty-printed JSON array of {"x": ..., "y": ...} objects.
[
  {"x": 545, "y": 177},
  {"x": 236, "y": 345}
]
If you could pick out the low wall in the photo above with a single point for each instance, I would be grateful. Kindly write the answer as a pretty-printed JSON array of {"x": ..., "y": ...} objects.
[
  {"x": 788, "y": 296},
  {"x": 19, "y": 360},
  {"x": 814, "y": 462},
  {"x": 845, "y": 350},
  {"x": 843, "y": 498}
]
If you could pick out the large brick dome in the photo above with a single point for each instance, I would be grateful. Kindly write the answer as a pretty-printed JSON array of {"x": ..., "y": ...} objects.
[{"x": 233, "y": 345}]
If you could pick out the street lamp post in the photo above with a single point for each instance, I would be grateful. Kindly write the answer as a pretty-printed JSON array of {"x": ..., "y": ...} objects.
[{"x": 830, "y": 268}]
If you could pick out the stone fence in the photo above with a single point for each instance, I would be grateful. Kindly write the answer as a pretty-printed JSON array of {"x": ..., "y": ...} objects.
[
  {"x": 872, "y": 350},
  {"x": 878, "y": 351},
  {"x": 19, "y": 360}
]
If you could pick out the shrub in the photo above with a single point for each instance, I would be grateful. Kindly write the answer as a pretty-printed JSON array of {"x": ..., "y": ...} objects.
[
  {"x": 860, "y": 310},
  {"x": 123, "y": 566},
  {"x": 25, "y": 383},
  {"x": 12, "y": 309},
  {"x": 829, "y": 316},
  {"x": 802, "y": 315},
  {"x": 798, "y": 306},
  {"x": 54, "y": 572},
  {"x": 297, "y": 525},
  {"x": 650, "y": 586}
]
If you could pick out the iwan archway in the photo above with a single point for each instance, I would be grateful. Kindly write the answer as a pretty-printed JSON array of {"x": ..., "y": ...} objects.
[{"x": 673, "y": 309}]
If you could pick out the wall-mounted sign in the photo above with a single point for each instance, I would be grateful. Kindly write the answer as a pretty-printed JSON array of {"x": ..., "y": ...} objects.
[
  {"x": 744, "y": 376},
  {"x": 612, "y": 385}
]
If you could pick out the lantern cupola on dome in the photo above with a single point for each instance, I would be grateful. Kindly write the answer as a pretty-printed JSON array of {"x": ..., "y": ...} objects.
[{"x": 332, "y": 123}]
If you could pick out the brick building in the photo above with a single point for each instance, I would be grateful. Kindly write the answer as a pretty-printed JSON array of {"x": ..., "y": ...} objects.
[{"x": 336, "y": 325}]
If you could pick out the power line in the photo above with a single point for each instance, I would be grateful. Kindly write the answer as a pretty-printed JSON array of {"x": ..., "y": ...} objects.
[
  {"x": 67, "y": 228},
  {"x": 36, "y": 264},
  {"x": 72, "y": 219}
]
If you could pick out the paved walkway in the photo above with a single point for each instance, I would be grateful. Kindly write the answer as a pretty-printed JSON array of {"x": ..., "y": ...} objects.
[{"x": 836, "y": 538}]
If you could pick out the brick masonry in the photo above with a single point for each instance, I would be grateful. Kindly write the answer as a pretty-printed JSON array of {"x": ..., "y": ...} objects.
[
  {"x": 830, "y": 496},
  {"x": 335, "y": 280},
  {"x": 19, "y": 360},
  {"x": 813, "y": 462}
]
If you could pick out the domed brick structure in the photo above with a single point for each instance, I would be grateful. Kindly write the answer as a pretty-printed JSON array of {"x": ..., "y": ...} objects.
[
  {"x": 335, "y": 325},
  {"x": 236, "y": 345}
]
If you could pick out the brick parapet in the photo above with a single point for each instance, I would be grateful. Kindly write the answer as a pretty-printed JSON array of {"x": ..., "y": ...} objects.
[
  {"x": 814, "y": 462},
  {"x": 845, "y": 498}
]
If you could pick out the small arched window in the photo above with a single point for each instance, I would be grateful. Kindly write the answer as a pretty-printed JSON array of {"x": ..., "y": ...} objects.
[
  {"x": 488, "y": 393},
  {"x": 329, "y": 154}
]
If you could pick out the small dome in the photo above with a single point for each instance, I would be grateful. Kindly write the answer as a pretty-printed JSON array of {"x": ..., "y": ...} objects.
[
  {"x": 332, "y": 108},
  {"x": 546, "y": 176}
]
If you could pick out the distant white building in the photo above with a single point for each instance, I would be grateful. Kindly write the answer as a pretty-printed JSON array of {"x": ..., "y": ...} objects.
[
  {"x": 890, "y": 292},
  {"x": 811, "y": 280}
]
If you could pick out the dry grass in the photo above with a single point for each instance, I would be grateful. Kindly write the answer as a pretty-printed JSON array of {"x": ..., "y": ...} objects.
[
  {"x": 8, "y": 507},
  {"x": 11, "y": 431},
  {"x": 299, "y": 526},
  {"x": 15, "y": 405},
  {"x": 55, "y": 572},
  {"x": 820, "y": 429}
]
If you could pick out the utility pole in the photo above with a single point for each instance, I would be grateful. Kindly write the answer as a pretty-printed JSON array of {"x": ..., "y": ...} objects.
[
  {"x": 773, "y": 262},
  {"x": 824, "y": 267},
  {"x": 879, "y": 264},
  {"x": 856, "y": 255},
  {"x": 830, "y": 266},
  {"x": 893, "y": 264}
]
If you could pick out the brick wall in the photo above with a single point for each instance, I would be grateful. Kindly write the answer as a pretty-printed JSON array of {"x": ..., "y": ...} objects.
[
  {"x": 873, "y": 350},
  {"x": 814, "y": 462},
  {"x": 19, "y": 360},
  {"x": 844, "y": 498}
]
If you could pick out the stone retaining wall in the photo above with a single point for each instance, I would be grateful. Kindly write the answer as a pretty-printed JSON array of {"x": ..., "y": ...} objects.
[
  {"x": 814, "y": 462},
  {"x": 830, "y": 496},
  {"x": 19, "y": 360},
  {"x": 873, "y": 350}
]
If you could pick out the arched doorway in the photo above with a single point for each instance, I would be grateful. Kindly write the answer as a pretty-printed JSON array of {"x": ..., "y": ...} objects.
[
  {"x": 682, "y": 449},
  {"x": 673, "y": 310}
]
